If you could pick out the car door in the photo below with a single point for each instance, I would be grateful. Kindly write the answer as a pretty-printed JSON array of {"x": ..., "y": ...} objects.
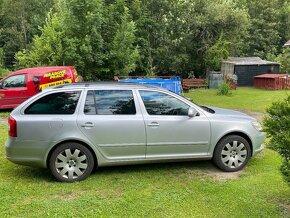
[
  {"x": 171, "y": 133},
  {"x": 114, "y": 124},
  {"x": 13, "y": 91}
]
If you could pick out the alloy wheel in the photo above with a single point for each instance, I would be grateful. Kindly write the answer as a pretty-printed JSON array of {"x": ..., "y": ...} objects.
[
  {"x": 71, "y": 163},
  {"x": 234, "y": 154}
]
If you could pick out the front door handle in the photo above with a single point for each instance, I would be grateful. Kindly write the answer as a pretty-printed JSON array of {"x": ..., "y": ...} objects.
[
  {"x": 153, "y": 124},
  {"x": 88, "y": 125}
]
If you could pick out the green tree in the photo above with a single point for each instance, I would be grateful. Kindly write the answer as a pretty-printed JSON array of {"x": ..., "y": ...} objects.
[
  {"x": 83, "y": 41},
  {"x": 78, "y": 34},
  {"x": 217, "y": 53},
  {"x": 266, "y": 32},
  {"x": 1, "y": 57},
  {"x": 123, "y": 52},
  {"x": 284, "y": 18},
  {"x": 19, "y": 21},
  {"x": 46, "y": 49},
  {"x": 183, "y": 31},
  {"x": 143, "y": 23},
  {"x": 284, "y": 60},
  {"x": 141, "y": 37}
]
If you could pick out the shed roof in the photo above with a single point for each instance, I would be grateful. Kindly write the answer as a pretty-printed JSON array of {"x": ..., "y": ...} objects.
[
  {"x": 287, "y": 44},
  {"x": 249, "y": 61},
  {"x": 271, "y": 76}
]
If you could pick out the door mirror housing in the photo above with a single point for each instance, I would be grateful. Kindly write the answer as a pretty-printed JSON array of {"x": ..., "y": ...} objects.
[
  {"x": 1, "y": 87},
  {"x": 192, "y": 112}
]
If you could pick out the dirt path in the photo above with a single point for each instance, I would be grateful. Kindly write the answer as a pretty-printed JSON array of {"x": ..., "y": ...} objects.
[
  {"x": 3, "y": 120},
  {"x": 257, "y": 115},
  {"x": 219, "y": 175}
]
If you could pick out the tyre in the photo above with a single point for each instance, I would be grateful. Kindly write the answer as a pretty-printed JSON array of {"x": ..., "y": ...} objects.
[
  {"x": 232, "y": 153},
  {"x": 71, "y": 162}
]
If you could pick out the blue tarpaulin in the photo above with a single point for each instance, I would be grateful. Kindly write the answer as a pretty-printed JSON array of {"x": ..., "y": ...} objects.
[{"x": 173, "y": 83}]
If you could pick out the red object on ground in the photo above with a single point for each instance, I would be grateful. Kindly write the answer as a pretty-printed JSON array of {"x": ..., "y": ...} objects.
[{"x": 272, "y": 81}]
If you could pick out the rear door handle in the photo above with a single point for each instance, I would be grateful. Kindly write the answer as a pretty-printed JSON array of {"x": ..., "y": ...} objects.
[
  {"x": 153, "y": 124},
  {"x": 88, "y": 125}
]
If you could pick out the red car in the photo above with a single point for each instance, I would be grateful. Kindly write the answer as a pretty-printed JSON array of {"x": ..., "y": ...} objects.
[{"x": 22, "y": 84}]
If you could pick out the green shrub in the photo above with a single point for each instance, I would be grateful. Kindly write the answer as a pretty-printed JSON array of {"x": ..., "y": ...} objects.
[
  {"x": 283, "y": 59},
  {"x": 224, "y": 89},
  {"x": 4, "y": 72},
  {"x": 277, "y": 127}
]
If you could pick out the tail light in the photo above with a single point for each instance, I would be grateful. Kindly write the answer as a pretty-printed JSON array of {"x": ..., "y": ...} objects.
[{"x": 12, "y": 127}]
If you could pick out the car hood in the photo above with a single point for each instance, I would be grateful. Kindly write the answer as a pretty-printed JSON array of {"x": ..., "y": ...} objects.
[{"x": 230, "y": 113}]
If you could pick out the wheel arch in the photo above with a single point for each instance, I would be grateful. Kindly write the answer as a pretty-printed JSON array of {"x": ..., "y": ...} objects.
[
  {"x": 73, "y": 141},
  {"x": 244, "y": 135}
]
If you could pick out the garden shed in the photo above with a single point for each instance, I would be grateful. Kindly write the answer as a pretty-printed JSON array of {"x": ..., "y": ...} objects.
[
  {"x": 272, "y": 81},
  {"x": 246, "y": 68}
]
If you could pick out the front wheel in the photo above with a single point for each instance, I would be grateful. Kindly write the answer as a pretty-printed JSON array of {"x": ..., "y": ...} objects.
[
  {"x": 71, "y": 162},
  {"x": 232, "y": 153}
]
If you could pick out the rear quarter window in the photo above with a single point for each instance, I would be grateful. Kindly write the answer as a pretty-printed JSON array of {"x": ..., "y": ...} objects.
[{"x": 55, "y": 103}]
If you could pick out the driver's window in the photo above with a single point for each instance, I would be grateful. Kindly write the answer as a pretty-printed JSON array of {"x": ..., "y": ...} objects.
[
  {"x": 157, "y": 103},
  {"x": 14, "y": 81}
]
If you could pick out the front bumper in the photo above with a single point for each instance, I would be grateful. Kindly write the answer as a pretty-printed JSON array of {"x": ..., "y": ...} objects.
[{"x": 258, "y": 143}]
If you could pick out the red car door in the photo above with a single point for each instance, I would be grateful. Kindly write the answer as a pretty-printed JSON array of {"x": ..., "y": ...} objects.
[{"x": 13, "y": 91}]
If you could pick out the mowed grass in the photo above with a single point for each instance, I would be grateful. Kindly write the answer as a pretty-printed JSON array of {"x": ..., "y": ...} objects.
[
  {"x": 244, "y": 98},
  {"x": 187, "y": 189}
]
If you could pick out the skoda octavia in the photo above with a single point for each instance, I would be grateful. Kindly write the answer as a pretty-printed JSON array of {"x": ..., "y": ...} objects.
[{"x": 73, "y": 128}]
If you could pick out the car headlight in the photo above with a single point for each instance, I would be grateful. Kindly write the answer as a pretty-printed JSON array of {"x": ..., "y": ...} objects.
[{"x": 257, "y": 126}]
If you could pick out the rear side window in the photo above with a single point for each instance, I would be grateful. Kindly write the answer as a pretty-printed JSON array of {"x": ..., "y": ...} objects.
[
  {"x": 110, "y": 102},
  {"x": 56, "y": 103}
]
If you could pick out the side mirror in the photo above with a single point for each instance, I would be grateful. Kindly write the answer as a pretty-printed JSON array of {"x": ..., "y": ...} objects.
[
  {"x": 1, "y": 87},
  {"x": 192, "y": 112}
]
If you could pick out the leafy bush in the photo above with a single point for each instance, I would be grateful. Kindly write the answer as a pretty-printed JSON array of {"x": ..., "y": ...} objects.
[
  {"x": 277, "y": 127},
  {"x": 4, "y": 72},
  {"x": 224, "y": 89},
  {"x": 217, "y": 53},
  {"x": 283, "y": 59}
]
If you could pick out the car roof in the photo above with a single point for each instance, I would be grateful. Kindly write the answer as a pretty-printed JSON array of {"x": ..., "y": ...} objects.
[{"x": 88, "y": 85}]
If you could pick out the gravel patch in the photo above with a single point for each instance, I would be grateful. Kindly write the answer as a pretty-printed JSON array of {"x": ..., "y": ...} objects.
[
  {"x": 219, "y": 175},
  {"x": 3, "y": 121}
]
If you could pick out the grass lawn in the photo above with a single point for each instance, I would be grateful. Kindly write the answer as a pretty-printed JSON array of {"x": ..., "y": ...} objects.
[
  {"x": 251, "y": 99},
  {"x": 188, "y": 189}
]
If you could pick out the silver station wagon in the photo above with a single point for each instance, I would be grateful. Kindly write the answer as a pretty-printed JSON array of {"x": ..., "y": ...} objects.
[{"x": 72, "y": 129}]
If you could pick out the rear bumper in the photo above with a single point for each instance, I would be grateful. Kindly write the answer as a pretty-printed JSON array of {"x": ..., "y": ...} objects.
[{"x": 26, "y": 152}]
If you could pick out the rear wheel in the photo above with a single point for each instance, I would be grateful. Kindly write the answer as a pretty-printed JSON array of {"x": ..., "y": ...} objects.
[
  {"x": 232, "y": 153},
  {"x": 71, "y": 162}
]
